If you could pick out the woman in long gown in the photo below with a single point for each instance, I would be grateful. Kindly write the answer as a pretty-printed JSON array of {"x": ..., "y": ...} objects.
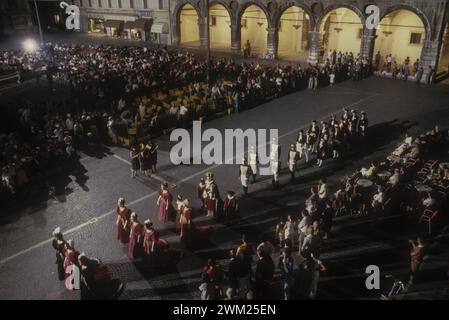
[
  {"x": 123, "y": 217},
  {"x": 166, "y": 211},
  {"x": 157, "y": 252},
  {"x": 135, "y": 237},
  {"x": 230, "y": 207},
  {"x": 59, "y": 244},
  {"x": 71, "y": 259},
  {"x": 189, "y": 232}
]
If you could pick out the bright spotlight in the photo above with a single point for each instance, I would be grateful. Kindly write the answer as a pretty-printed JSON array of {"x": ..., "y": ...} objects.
[{"x": 30, "y": 45}]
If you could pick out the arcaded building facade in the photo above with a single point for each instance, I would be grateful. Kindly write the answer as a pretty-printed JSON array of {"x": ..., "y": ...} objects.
[{"x": 306, "y": 29}]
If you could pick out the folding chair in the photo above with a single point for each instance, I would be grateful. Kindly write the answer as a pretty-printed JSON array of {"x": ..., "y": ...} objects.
[{"x": 428, "y": 217}]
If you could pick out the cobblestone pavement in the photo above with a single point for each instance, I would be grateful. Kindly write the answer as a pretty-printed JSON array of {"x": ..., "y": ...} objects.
[{"x": 84, "y": 205}]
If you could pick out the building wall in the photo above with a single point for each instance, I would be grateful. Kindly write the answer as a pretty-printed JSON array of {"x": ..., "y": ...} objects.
[
  {"x": 293, "y": 31},
  {"x": 158, "y": 10},
  {"x": 343, "y": 31},
  {"x": 16, "y": 18},
  {"x": 220, "y": 33},
  {"x": 398, "y": 43},
  {"x": 430, "y": 12}
]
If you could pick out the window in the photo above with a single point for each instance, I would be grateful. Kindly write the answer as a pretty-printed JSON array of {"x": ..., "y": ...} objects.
[
  {"x": 99, "y": 4},
  {"x": 90, "y": 3},
  {"x": 119, "y": 3},
  {"x": 213, "y": 21},
  {"x": 161, "y": 4},
  {"x": 131, "y": 4},
  {"x": 12, "y": 4},
  {"x": 415, "y": 38},
  {"x": 109, "y": 3},
  {"x": 145, "y": 4},
  {"x": 81, "y": 3},
  {"x": 244, "y": 25}
]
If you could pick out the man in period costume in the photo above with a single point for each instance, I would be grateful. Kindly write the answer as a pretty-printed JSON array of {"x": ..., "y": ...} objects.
[
  {"x": 201, "y": 189},
  {"x": 363, "y": 124},
  {"x": 293, "y": 157},
  {"x": 354, "y": 122},
  {"x": 244, "y": 174},
  {"x": 212, "y": 194},
  {"x": 312, "y": 136},
  {"x": 301, "y": 145},
  {"x": 253, "y": 162}
]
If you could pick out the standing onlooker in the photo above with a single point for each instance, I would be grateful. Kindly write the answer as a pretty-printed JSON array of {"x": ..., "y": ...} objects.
[
  {"x": 285, "y": 264},
  {"x": 315, "y": 266},
  {"x": 416, "y": 255}
]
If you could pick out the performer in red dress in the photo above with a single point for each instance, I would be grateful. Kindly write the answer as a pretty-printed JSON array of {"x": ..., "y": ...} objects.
[
  {"x": 185, "y": 220},
  {"x": 136, "y": 237},
  {"x": 71, "y": 259},
  {"x": 166, "y": 210},
  {"x": 150, "y": 238},
  {"x": 189, "y": 232},
  {"x": 157, "y": 252},
  {"x": 230, "y": 207},
  {"x": 71, "y": 256},
  {"x": 123, "y": 217}
]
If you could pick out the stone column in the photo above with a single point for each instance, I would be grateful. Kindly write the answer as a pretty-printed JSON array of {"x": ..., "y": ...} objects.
[
  {"x": 235, "y": 37},
  {"x": 84, "y": 21},
  {"x": 174, "y": 28},
  {"x": 367, "y": 43},
  {"x": 272, "y": 43},
  {"x": 314, "y": 47},
  {"x": 429, "y": 56},
  {"x": 202, "y": 28}
]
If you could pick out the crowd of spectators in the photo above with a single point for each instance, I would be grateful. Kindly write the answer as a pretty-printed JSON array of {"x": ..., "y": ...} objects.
[{"x": 120, "y": 94}]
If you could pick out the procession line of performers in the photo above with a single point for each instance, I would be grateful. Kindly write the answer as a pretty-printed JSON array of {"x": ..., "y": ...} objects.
[
  {"x": 95, "y": 278},
  {"x": 325, "y": 140}
]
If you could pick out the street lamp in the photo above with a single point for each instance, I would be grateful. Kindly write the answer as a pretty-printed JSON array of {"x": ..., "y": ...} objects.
[
  {"x": 39, "y": 23},
  {"x": 29, "y": 45}
]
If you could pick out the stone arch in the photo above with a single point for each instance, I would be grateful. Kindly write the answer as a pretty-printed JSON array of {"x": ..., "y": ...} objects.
[
  {"x": 180, "y": 5},
  {"x": 258, "y": 3},
  {"x": 254, "y": 30},
  {"x": 285, "y": 6},
  {"x": 419, "y": 13},
  {"x": 221, "y": 33},
  {"x": 177, "y": 17},
  {"x": 292, "y": 44},
  {"x": 329, "y": 9},
  {"x": 226, "y": 6}
]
